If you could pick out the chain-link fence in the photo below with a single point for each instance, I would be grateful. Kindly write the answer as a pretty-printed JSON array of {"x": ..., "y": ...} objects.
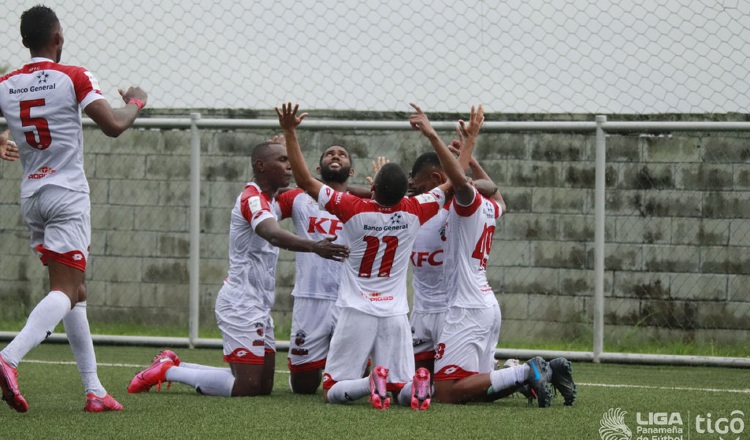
[
  {"x": 676, "y": 225},
  {"x": 683, "y": 56}
]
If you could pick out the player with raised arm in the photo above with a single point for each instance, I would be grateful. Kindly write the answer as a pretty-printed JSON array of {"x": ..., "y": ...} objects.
[
  {"x": 316, "y": 283},
  {"x": 372, "y": 296},
  {"x": 464, "y": 357},
  {"x": 42, "y": 104},
  {"x": 243, "y": 306}
]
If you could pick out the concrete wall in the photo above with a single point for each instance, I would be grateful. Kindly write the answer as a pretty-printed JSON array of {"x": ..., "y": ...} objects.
[{"x": 678, "y": 236}]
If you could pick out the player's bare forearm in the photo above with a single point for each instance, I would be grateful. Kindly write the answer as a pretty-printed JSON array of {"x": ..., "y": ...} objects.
[{"x": 289, "y": 121}]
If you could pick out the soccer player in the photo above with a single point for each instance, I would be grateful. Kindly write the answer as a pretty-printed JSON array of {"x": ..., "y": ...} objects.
[
  {"x": 243, "y": 306},
  {"x": 430, "y": 302},
  {"x": 317, "y": 280},
  {"x": 372, "y": 296},
  {"x": 42, "y": 104},
  {"x": 464, "y": 357}
]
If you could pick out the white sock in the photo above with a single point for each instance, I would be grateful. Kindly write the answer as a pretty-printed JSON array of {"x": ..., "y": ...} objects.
[
  {"x": 404, "y": 397},
  {"x": 349, "y": 390},
  {"x": 210, "y": 381},
  {"x": 203, "y": 367},
  {"x": 42, "y": 320},
  {"x": 79, "y": 336},
  {"x": 506, "y": 378}
]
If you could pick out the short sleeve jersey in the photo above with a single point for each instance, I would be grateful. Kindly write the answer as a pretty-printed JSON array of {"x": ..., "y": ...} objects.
[
  {"x": 316, "y": 277},
  {"x": 252, "y": 260},
  {"x": 380, "y": 240},
  {"x": 427, "y": 257},
  {"x": 42, "y": 103},
  {"x": 469, "y": 232}
]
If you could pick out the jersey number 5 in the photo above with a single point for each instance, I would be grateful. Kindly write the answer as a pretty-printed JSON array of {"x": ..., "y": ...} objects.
[
  {"x": 42, "y": 128},
  {"x": 482, "y": 249},
  {"x": 368, "y": 260}
]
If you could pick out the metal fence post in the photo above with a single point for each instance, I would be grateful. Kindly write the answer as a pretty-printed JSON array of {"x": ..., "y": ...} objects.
[
  {"x": 601, "y": 147},
  {"x": 195, "y": 199}
]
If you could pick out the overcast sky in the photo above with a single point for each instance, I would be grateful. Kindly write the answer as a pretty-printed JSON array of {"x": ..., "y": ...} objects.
[{"x": 521, "y": 56}]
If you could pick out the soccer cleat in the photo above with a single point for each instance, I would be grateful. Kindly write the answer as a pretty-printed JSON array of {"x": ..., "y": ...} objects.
[
  {"x": 170, "y": 354},
  {"x": 523, "y": 388},
  {"x": 420, "y": 390},
  {"x": 537, "y": 381},
  {"x": 153, "y": 375},
  {"x": 101, "y": 404},
  {"x": 562, "y": 379},
  {"x": 9, "y": 385},
  {"x": 378, "y": 392}
]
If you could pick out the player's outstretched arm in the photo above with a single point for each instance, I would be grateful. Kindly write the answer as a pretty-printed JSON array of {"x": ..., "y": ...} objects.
[
  {"x": 482, "y": 181},
  {"x": 289, "y": 121},
  {"x": 270, "y": 231},
  {"x": 452, "y": 167},
  {"x": 113, "y": 122}
]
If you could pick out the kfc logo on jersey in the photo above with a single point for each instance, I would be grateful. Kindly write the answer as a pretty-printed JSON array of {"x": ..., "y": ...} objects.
[
  {"x": 329, "y": 226},
  {"x": 258, "y": 343},
  {"x": 419, "y": 259}
]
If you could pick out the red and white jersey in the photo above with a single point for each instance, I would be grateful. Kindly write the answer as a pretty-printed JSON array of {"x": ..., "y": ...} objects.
[
  {"x": 380, "y": 239},
  {"x": 316, "y": 277},
  {"x": 427, "y": 257},
  {"x": 252, "y": 260},
  {"x": 42, "y": 103},
  {"x": 469, "y": 232}
]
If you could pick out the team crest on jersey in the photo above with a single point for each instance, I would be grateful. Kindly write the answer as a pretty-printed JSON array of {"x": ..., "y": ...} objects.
[
  {"x": 395, "y": 219},
  {"x": 42, "y": 77},
  {"x": 299, "y": 338},
  {"x": 259, "y": 328}
]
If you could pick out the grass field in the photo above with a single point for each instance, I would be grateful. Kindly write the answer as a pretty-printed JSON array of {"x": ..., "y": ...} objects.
[{"x": 50, "y": 382}]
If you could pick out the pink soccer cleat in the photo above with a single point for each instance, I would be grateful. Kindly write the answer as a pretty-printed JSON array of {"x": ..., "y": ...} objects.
[
  {"x": 153, "y": 375},
  {"x": 378, "y": 392},
  {"x": 9, "y": 385},
  {"x": 421, "y": 392},
  {"x": 170, "y": 354},
  {"x": 101, "y": 404}
]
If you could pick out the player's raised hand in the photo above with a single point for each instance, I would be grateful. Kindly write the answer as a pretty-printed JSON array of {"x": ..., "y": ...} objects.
[
  {"x": 327, "y": 249},
  {"x": 420, "y": 122},
  {"x": 8, "y": 150},
  {"x": 288, "y": 118},
  {"x": 458, "y": 143},
  {"x": 376, "y": 166},
  {"x": 476, "y": 119},
  {"x": 278, "y": 139},
  {"x": 133, "y": 92}
]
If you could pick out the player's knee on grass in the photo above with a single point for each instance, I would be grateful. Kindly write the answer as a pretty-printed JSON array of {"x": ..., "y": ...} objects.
[
  {"x": 250, "y": 380},
  {"x": 305, "y": 382}
]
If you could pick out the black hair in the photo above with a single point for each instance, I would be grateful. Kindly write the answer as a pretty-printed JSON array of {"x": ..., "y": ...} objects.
[
  {"x": 429, "y": 159},
  {"x": 37, "y": 24},
  {"x": 261, "y": 152},
  {"x": 390, "y": 184}
]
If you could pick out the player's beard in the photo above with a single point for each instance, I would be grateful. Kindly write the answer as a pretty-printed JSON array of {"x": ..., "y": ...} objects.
[{"x": 339, "y": 176}]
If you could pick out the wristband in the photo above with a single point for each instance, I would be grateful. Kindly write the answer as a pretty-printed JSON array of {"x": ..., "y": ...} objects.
[{"x": 137, "y": 102}]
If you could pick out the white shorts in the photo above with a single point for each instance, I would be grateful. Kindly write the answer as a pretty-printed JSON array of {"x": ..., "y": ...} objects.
[
  {"x": 425, "y": 333},
  {"x": 313, "y": 321},
  {"x": 60, "y": 223},
  {"x": 467, "y": 343},
  {"x": 246, "y": 330},
  {"x": 359, "y": 335}
]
